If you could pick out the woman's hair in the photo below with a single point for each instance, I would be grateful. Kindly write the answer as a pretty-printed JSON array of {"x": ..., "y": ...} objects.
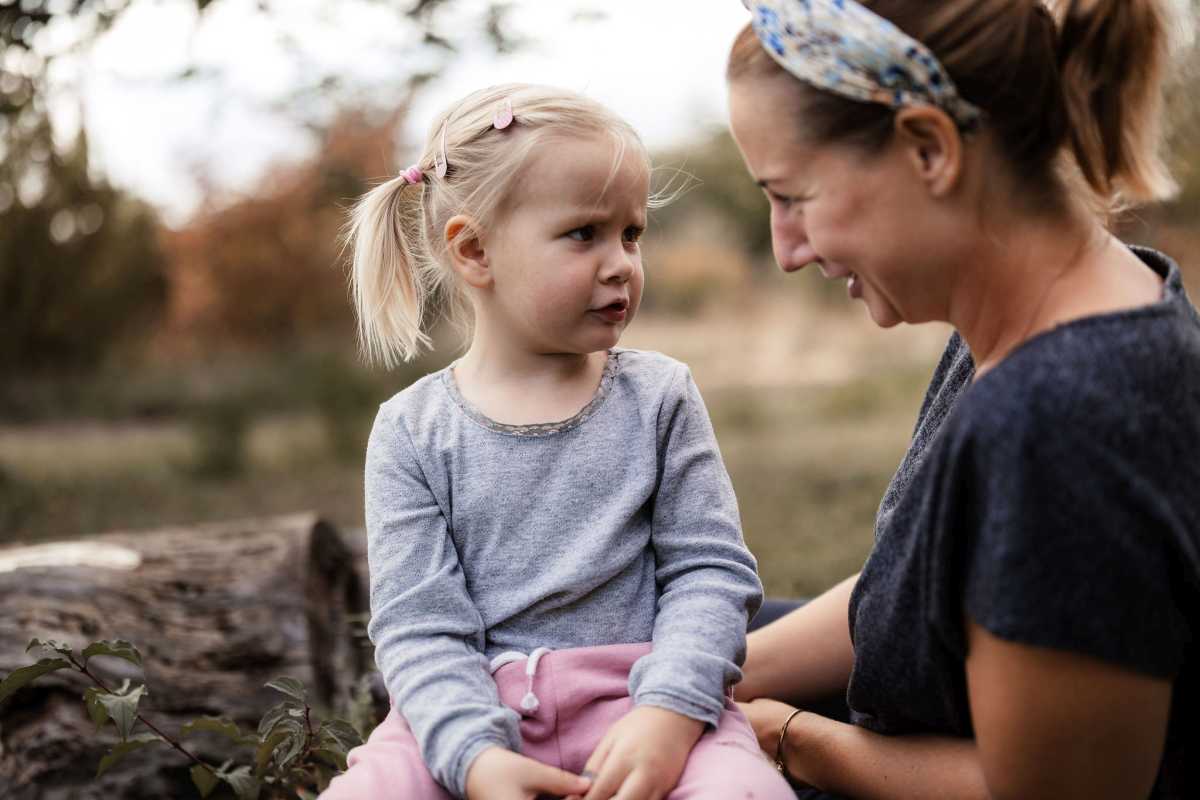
[
  {"x": 1077, "y": 77},
  {"x": 400, "y": 267}
]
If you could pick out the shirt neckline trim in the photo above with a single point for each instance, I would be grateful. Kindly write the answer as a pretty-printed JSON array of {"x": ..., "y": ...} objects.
[{"x": 538, "y": 429}]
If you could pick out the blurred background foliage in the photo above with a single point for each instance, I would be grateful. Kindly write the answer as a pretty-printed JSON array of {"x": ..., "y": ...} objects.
[{"x": 154, "y": 374}]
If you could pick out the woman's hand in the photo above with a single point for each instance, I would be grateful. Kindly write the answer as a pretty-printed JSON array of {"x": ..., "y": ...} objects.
[
  {"x": 499, "y": 774},
  {"x": 767, "y": 718},
  {"x": 642, "y": 755}
]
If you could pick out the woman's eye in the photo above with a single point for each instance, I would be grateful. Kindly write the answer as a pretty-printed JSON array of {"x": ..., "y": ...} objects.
[
  {"x": 633, "y": 233},
  {"x": 785, "y": 201},
  {"x": 584, "y": 233}
]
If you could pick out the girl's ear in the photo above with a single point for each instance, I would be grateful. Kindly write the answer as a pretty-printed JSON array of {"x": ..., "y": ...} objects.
[
  {"x": 466, "y": 252},
  {"x": 933, "y": 145}
]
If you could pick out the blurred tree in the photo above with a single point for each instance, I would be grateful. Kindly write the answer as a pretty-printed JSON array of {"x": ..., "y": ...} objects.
[
  {"x": 263, "y": 271},
  {"x": 80, "y": 265},
  {"x": 714, "y": 179}
]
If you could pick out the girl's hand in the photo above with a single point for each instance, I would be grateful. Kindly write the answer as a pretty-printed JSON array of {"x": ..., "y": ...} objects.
[
  {"x": 642, "y": 755},
  {"x": 499, "y": 774},
  {"x": 767, "y": 718}
]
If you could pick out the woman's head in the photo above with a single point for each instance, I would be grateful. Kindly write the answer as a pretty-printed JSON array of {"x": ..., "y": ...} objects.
[
  {"x": 1083, "y": 76},
  {"x": 409, "y": 238},
  {"x": 950, "y": 111}
]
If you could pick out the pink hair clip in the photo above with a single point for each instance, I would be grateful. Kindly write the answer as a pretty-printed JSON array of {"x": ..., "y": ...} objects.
[
  {"x": 413, "y": 174},
  {"x": 503, "y": 117}
]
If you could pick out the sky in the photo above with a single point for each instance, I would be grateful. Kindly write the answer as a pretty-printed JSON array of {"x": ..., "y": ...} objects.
[{"x": 659, "y": 63}]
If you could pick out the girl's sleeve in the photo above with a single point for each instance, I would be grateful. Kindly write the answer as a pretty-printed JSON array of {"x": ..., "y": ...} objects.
[
  {"x": 428, "y": 635},
  {"x": 707, "y": 580}
]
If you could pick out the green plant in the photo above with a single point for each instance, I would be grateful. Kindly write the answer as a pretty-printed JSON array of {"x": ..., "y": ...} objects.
[{"x": 293, "y": 757}]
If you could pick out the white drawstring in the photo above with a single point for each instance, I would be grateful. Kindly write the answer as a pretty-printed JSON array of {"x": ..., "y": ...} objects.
[{"x": 530, "y": 701}]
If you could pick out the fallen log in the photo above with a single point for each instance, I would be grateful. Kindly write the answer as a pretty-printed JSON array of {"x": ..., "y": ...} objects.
[{"x": 216, "y": 611}]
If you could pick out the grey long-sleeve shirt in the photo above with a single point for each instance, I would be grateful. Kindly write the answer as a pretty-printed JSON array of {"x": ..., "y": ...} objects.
[{"x": 619, "y": 525}]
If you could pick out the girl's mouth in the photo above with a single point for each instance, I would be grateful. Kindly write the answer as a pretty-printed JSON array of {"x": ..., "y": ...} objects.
[{"x": 614, "y": 312}]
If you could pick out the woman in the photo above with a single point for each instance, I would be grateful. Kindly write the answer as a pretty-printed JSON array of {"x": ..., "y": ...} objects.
[{"x": 1025, "y": 625}]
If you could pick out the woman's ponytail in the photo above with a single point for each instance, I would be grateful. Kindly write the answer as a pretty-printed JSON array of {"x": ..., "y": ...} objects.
[
  {"x": 388, "y": 269},
  {"x": 1113, "y": 57}
]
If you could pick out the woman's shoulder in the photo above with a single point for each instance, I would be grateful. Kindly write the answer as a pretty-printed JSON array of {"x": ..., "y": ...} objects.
[{"x": 1110, "y": 371}]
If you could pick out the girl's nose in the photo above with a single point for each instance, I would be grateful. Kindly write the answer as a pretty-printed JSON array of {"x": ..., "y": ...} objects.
[{"x": 618, "y": 266}]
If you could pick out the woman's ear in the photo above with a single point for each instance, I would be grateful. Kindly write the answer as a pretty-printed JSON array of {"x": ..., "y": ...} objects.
[
  {"x": 467, "y": 255},
  {"x": 933, "y": 145}
]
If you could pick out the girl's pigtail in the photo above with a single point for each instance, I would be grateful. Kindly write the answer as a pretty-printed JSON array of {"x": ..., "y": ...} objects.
[
  {"x": 1113, "y": 56},
  {"x": 388, "y": 267}
]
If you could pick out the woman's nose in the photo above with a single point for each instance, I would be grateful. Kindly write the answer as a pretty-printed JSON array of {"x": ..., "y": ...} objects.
[{"x": 789, "y": 241}]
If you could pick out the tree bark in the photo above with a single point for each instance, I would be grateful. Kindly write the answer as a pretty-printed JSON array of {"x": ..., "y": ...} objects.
[{"x": 216, "y": 611}]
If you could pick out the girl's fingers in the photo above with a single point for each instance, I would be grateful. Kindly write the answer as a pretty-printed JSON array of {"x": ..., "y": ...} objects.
[
  {"x": 598, "y": 757},
  {"x": 638, "y": 786},
  {"x": 595, "y": 765},
  {"x": 549, "y": 780},
  {"x": 608, "y": 780}
]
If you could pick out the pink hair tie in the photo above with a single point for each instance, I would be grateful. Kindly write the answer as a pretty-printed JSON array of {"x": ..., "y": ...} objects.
[{"x": 413, "y": 174}]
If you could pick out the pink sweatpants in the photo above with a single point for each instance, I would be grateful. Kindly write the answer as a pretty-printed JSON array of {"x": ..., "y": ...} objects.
[{"x": 581, "y": 692}]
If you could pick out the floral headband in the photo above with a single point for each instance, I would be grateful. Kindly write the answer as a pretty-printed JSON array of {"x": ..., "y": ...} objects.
[{"x": 844, "y": 48}]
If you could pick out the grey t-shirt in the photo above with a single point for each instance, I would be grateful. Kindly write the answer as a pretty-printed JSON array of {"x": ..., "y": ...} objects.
[
  {"x": 618, "y": 525},
  {"x": 1056, "y": 501}
]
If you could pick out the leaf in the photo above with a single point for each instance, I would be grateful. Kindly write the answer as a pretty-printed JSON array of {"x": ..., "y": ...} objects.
[
  {"x": 262, "y": 756},
  {"x": 221, "y": 725},
  {"x": 205, "y": 779},
  {"x": 290, "y": 687},
  {"x": 124, "y": 748},
  {"x": 341, "y": 733},
  {"x": 295, "y": 743},
  {"x": 19, "y": 677},
  {"x": 52, "y": 645},
  {"x": 113, "y": 647},
  {"x": 122, "y": 706},
  {"x": 272, "y": 717},
  {"x": 245, "y": 785},
  {"x": 335, "y": 758},
  {"x": 95, "y": 709}
]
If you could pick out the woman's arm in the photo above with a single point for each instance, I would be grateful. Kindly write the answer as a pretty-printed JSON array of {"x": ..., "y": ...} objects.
[
  {"x": 852, "y": 761},
  {"x": 1054, "y": 724},
  {"x": 805, "y": 656},
  {"x": 1048, "y": 724}
]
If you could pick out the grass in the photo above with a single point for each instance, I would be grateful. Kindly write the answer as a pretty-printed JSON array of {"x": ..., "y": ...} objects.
[{"x": 812, "y": 411}]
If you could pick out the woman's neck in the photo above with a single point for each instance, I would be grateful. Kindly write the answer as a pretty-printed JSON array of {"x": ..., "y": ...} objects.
[{"x": 1032, "y": 275}]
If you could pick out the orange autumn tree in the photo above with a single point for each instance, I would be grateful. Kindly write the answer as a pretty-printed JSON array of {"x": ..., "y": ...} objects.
[{"x": 266, "y": 270}]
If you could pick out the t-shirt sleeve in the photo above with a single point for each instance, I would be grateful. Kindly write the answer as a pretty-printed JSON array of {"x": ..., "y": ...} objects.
[
  {"x": 428, "y": 634},
  {"x": 1060, "y": 535},
  {"x": 707, "y": 579}
]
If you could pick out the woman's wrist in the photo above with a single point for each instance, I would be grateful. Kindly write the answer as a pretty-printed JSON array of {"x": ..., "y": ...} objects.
[
  {"x": 801, "y": 748},
  {"x": 781, "y": 745}
]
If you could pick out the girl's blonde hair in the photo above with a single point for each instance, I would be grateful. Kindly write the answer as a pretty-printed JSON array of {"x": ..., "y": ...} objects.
[
  {"x": 1061, "y": 82},
  {"x": 400, "y": 269}
]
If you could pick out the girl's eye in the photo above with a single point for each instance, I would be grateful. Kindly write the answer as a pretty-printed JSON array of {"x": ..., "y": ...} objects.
[
  {"x": 583, "y": 233},
  {"x": 633, "y": 233}
]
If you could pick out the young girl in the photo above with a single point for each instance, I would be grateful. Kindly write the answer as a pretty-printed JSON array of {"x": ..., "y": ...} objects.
[{"x": 559, "y": 586}]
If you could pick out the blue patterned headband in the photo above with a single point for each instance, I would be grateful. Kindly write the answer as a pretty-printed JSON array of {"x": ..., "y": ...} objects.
[{"x": 844, "y": 48}]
